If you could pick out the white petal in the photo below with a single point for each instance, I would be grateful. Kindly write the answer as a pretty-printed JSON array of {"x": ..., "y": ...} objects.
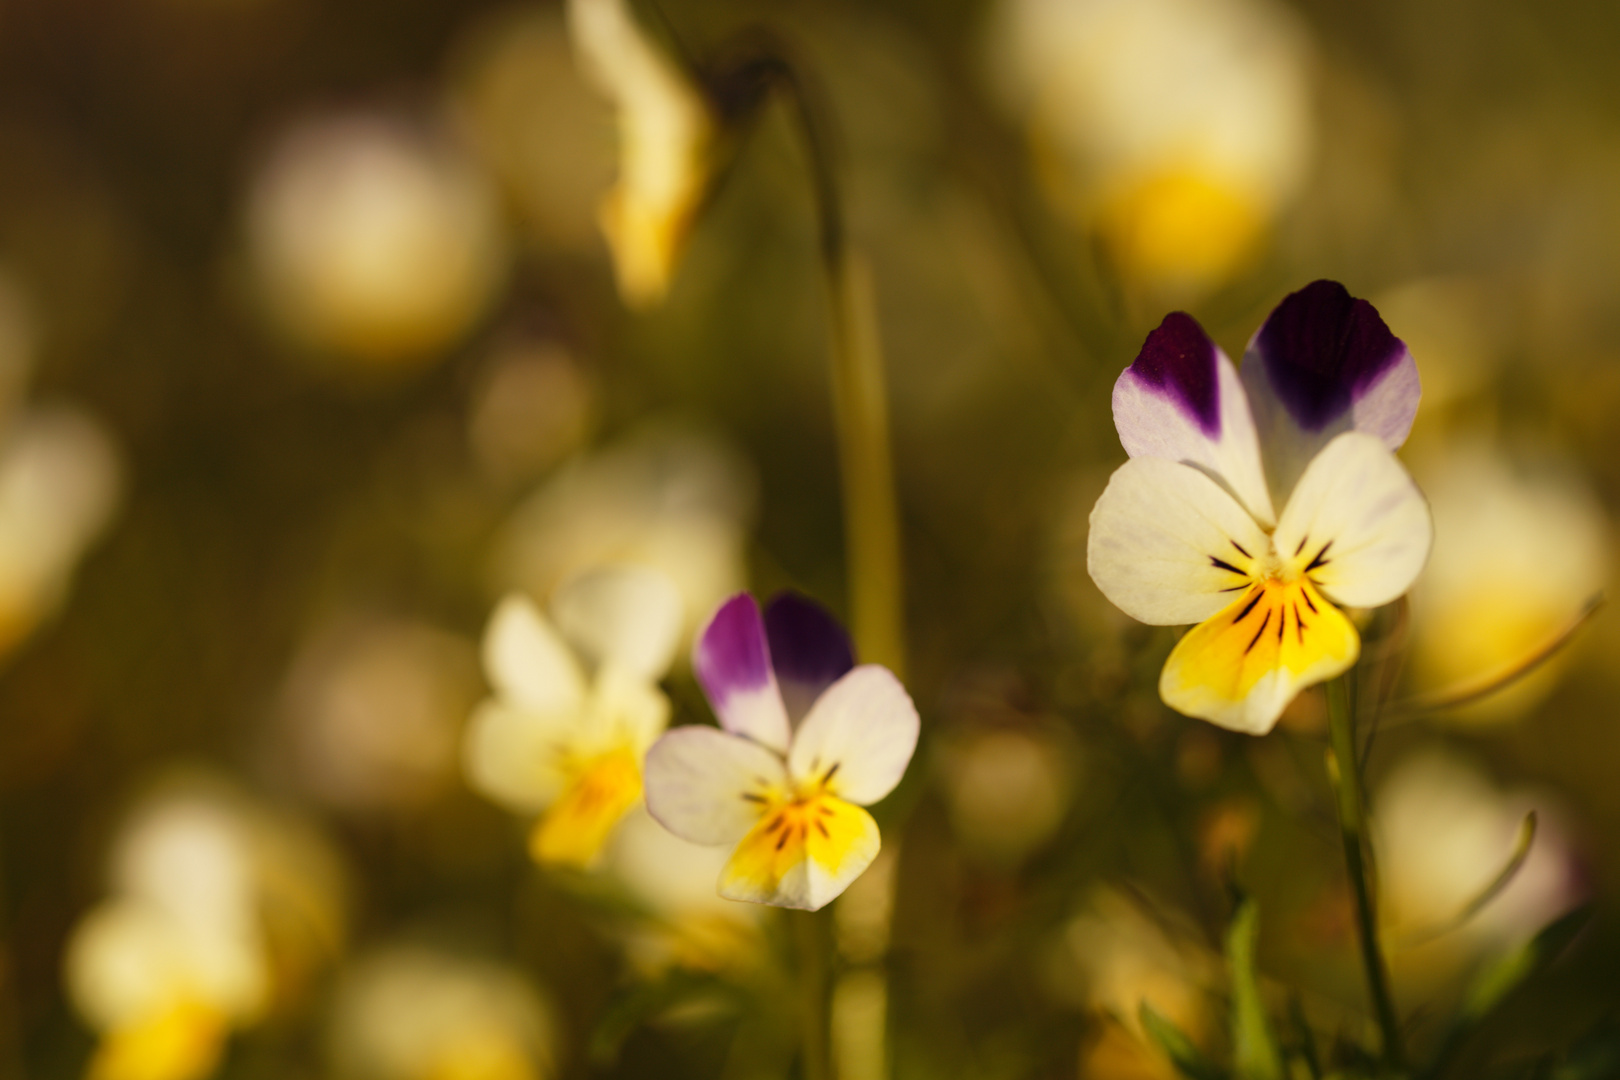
[
  {"x": 1357, "y": 523},
  {"x": 527, "y": 662},
  {"x": 1159, "y": 535},
  {"x": 700, "y": 783},
  {"x": 627, "y": 616},
  {"x": 863, "y": 731},
  {"x": 515, "y": 756}
]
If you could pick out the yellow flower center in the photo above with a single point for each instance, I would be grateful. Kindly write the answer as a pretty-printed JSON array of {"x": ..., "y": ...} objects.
[{"x": 572, "y": 831}]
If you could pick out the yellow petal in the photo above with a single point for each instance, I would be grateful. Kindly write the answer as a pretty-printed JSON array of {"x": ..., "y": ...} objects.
[
  {"x": 182, "y": 1043},
  {"x": 802, "y": 854},
  {"x": 1242, "y": 666},
  {"x": 573, "y": 830}
]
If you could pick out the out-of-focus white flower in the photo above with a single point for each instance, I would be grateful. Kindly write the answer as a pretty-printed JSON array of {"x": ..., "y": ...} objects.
[
  {"x": 374, "y": 239},
  {"x": 1006, "y": 789},
  {"x": 1445, "y": 831},
  {"x": 668, "y": 499},
  {"x": 217, "y": 907},
  {"x": 542, "y": 129},
  {"x": 534, "y": 404},
  {"x": 665, "y": 132},
  {"x": 413, "y": 1013},
  {"x": 374, "y": 709},
  {"x": 59, "y": 485},
  {"x": 1175, "y": 128},
  {"x": 576, "y": 705},
  {"x": 1518, "y": 553},
  {"x": 59, "y": 481},
  {"x": 691, "y": 925}
]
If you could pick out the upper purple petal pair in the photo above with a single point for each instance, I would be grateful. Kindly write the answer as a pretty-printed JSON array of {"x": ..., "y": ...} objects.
[
  {"x": 1323, "y": 363},
  {"x": 762, "y": 674}
]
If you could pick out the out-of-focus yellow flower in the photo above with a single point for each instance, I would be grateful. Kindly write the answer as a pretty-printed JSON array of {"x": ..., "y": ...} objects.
[
  {"x": 1176, "y": 129},
  {"x": 669, "y": 499},
  {"x": 576, "y": 706},
  {"x": 217, "y": 907},
  {"x": 542, "y": 129},
  {"x": 374, "y": 239},
  {"x": 1124, "y": 957},
  {"x": 665, "y": 132},
  {"x": 1539, "y": 538},
  {"x": 1445, "y": 831},
  {"x": 413, "y": 1013},
  {"x": 374, "y": 710},
  {"x": 692, "y": 926}
]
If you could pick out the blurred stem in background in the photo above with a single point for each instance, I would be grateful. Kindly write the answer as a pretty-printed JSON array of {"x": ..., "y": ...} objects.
[
  {"x": 1345, "y": 772},
  {"x": 814, "y": 946},
  {"x": 762, "y": 63}
]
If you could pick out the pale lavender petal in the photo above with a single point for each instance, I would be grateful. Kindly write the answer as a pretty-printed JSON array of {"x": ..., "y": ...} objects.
[
  {"x": 1325, "y": 363},
  {"x": 1182, "y": 401},
  {"x": 732, "y": 660},
  {"x": 809, "y": 650}
]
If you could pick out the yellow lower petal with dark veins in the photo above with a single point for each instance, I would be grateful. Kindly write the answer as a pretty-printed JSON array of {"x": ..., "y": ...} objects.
[
  {"x": 181, "y": 1043},
  {"x": 573, "y": 829},
  {"x": 1240, "y": 668},
  {"x": 802, "y": 853}
]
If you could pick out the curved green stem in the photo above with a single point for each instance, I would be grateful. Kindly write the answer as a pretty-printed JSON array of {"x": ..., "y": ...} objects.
[{"x": 1345, "y": 772}]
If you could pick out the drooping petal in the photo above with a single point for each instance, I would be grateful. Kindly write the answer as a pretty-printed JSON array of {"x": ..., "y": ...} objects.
[
  {"x": 1167, "y": 545},
  {"x": 858, "y": 738},
  {"x": 1182, "y": 401},
  {"x": 1324, "y": 363},
  {"x": 710, "y": 787},
  {"x": 527, "y": 662},
  {"x": 519, "y": 757},
  {"x": 627, "y": 616},
  {"x": 802, "y": 855},
  {"x": 1357, "y": 523},
  {"x": 574, "y": 828},
  {"x": 1241, "y": 668},
  {"x": 809, "y": 650},
  {"x": 732, "y": 660}
]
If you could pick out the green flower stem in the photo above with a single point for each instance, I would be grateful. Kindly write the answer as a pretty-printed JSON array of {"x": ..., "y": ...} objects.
[
  {"x": 1345, "y": 773},
  {"x": 859, "y": 391},
  {"x": 871, "y": 518},
  {"x": 811, "y": 931}
]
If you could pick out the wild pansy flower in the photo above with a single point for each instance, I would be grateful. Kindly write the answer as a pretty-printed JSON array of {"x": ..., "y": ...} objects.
[
  {"x": 1189, "y": 530},
  {"x": 665, "y": 129},
  {"x": 576, "y": 706},
  {"x": 806, "y": 739}
]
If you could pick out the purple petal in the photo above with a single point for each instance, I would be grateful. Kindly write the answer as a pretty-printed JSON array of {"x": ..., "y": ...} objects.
[
  {"x": 809, "y": 649},
  {"x": 1326, "y": 354},
  {"x": 732, "y": 661},
  {"x": 1177, "y": 362},
  {"x": 1183, "y": 401}
]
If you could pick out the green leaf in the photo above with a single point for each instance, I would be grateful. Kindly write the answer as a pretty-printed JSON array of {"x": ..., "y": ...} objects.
[
  {"x": 1186, "y": 1057},
  {"x": 634, "y": 1006},
  {"x": 1254, "y": 1050},
  {"x": 1499, "y": 978}
]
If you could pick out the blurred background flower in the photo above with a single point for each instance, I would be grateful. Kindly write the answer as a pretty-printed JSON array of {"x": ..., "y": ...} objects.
[
  {"x": 410, "y": 1012},
  {"x": 374, "y": 238}
]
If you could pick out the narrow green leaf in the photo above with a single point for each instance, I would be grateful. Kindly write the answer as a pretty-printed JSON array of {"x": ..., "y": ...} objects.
[
  {"x": 635, "y": 1005},
  {"x": 1186, "y": 1057},
  {"x": 1499, "y": 978},
  {"x": 1254, "y": 1050}
]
